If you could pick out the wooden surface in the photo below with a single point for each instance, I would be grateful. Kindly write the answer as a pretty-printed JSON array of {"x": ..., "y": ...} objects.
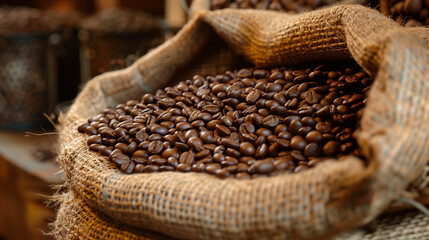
[{"x": 24, "y": 184}]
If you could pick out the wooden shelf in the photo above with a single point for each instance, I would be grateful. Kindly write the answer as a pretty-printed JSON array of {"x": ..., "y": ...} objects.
[{"x": 25, "y": 183}]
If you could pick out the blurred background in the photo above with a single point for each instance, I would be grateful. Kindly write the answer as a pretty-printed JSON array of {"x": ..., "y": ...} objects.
[{"x": 50, "y": 49}]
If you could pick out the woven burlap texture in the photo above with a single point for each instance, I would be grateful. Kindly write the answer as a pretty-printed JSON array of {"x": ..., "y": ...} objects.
[
  {"x": 80, "y": 221},
  {"x": 334, "y": 196}
]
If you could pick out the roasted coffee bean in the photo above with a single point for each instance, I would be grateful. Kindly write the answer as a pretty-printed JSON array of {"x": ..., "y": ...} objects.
[
  {"x": 151, "y": 168},
  {"x": 90, "y": 130},
  {"x": 172, "y": 152},
  {"x": 233, "y": 152},
  {"x": 187, "y": 157},
  {"x": 230, "y": 143},
  {"x": 140, "y": 156},
  {"x": 141, "y": 136},
  {"x": 298, "y": 143},
  {"x": 261, "y": 151},
  {"x": 230, "y": 123},
  {"x": 223, "y": 173},
  {"x": 131, "y": 148},
  {"x": 119, "y": 159},
  {"x": 172, "y": 161},
  {"x": 203, "y": 154},
  {"x": 106, "y": 132},
  {"x": 294, "y": 126},
  {"x": 264, "y": 166},
  {"x": 156, "y": 147},
  {"x": 311, "y": 150},
  {"x": 331, "y": 148},
  {"x": 196, "y": 144},
  {"x": 297, "y": 156},
  {"x": 82, "y": 127},
  {"x": 247, "y": 128},
  {"x": 314, "y": 136},
  {"x": 95, "y": 147},
  {"x": 128, "y": 167},
  {"x": 159, "y": 130},
  {"x": 247, "y": 149},
  {"x": 158, "y": 161},
  {"x": 182, "y": 126},
  {"x": 253, "y": 97},
  {"x": 94, "y": 139},
  {"x": 223, "y": 130},
  {"x": 207, "y": 137}
]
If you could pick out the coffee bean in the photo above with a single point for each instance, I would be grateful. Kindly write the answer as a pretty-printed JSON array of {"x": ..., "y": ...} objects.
[
  {"x": 94, "y": 139},
  {"x": 140, "y": 156},
  {"x": 90, "y": 130},
  {"x": 294, "y": 126},
  {"x": 230, "y": 143},
  {"x": 155, "y": 147},
  {"x": 247, "y": 149},
  {"x": 264, "y": 167},
  {"x": 187, "y": 157},
  {"x": 223, "y": 173},
  {"x": 120, "y": 158},
  {"x": 172, "y": 152},
  {"x": 106, "y": 132},
  {"x": 314, "y": 136},
  {"x": 203, "y": 154},
  {"x": 253, "y": 97},
  {"x": 158, "y": 161},
  {"x": 222, "y": 130},
  {"x": 261, "y": 151},
  {"x": 270, "y": 121},
  {"x": 323, "y": 127},
  {"x": 297, "y": 156},
  {"x": 212, "y": 168},
  {"x": 151, "y": 168},
  {"x": 128, "y": 167},
  {"x": 244, "y": 73},
  {"x": 131, "y": 148},
  {"x": 281, "y": 164},
  {"x": 311, "y": 150},
  {"x": 225, "y": 125},
  {"x": 196, "y": 144},
  {"x": 331, "y": 148},
  {"x": 182, "y": 126},
  {"x": 82, "y": 127},
  {"x": 298, "y": 143},
  {"x": 95, "y": 147}
]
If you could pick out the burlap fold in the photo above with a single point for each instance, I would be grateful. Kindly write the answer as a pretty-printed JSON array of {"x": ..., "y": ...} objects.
[{"x": 334, "y": 196}]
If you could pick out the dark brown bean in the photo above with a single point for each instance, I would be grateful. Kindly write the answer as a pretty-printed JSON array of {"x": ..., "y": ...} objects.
[
  {"x": 264, "y": 166},
  {"x": 298, "y": 143},
  {"x": 156, "y": 147},
  {"x": 94, "y": 139},
  {"x": 331, "y": 148},
  {"x": 187, "y": 157}
]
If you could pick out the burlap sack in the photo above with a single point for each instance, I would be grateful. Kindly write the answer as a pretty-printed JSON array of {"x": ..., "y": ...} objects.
[
  {"x": 332, "y": 197},
  {"x": 78, "y": 220}
]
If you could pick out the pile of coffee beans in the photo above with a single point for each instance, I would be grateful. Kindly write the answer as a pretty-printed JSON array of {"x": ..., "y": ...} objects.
[
  {"x": 291, "y": 6},
  {"x": 411, "y": 13},
  {"x": 245, "y": 123}
]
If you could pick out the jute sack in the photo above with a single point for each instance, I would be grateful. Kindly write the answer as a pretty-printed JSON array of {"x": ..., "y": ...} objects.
[
  {"x": 78, "y": 220},
  {"x": 332, "y": 197}
]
